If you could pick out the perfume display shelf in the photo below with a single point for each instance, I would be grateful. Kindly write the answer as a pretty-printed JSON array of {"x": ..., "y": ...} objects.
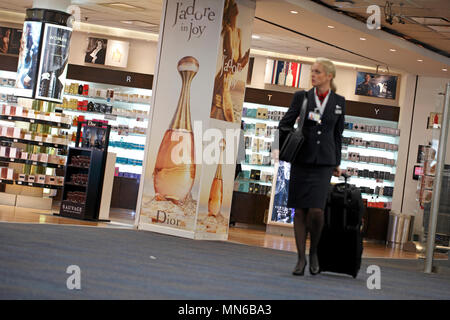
[
  {"x": 369, "y": 153},
  {"x": 125, "y": 109}
]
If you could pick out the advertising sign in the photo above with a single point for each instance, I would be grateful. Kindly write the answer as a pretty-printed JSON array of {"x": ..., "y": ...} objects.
[
  {"x": 290, "y": 74},
  {"x": 193, "y": 72},
  {"x": 10, "y": 40},
  {"x": 117, "y": 53},
  {"x": 376, "y": 85},
  {"x": 53, "y": 63},
  {"x": 28, "y": 59},
  {"x": 181, "y": 101},
  {"x": 280, "y": 211}
]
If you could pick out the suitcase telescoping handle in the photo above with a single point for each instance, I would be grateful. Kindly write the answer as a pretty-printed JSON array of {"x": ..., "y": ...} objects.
[{"x": 344, "y": 217}]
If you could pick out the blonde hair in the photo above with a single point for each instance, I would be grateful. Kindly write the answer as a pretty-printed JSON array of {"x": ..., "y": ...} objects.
[{"x": 330, "y": 68}]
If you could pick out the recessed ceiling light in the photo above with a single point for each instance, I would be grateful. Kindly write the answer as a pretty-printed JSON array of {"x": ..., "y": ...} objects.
[
  {"x": 392, "y": 50},
  {"x": 331, "y": 27},
  {"x": 363, "y": 39},
  {"x": 139, "y": 23},
  {"x": 254, "y": 36},
  {"x": 444, "y": 69},
  {"x": 294, "y": 12},
  {"x": 420, "y": 60},
  {"x": 122, "y": 6}
]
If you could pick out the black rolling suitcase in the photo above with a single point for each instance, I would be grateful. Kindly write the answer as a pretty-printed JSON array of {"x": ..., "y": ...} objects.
[{"x": 340, "y": 246}]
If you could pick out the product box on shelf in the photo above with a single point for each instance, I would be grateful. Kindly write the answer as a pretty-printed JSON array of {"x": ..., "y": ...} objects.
[
  {"x": 43, "y": 157},
  {"x": 14, "y": 153},
  {"x": 28, "y": 136},
  {"x": 50, "y": 180},
  {"x": 40, "y": 178},
  {"x": 59, "y": 181},
  {"x": 23, "y": 177},
  {"x": 24, "y": 156},
  {"x": 34, "y": 157},
  {"x": 31, "y": 178}
]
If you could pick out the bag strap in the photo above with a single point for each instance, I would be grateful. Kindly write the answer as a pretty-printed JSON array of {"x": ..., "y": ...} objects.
[{"x": 302, "y": 113}]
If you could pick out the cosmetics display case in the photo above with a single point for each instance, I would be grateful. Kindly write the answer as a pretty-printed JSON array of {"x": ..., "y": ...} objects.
[{"x": 369, "y": 155}]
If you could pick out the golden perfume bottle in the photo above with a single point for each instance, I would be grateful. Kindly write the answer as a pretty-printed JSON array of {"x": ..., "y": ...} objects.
[
  {"x": 216, "y": 192},
  {"x": 174, "y": 172}
]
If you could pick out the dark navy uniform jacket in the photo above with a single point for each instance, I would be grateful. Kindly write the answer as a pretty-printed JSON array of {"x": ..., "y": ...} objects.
[{"x": 323, "y": 142}]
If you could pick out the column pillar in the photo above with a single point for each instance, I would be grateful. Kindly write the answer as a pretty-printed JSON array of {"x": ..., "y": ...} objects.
[{"x": 59, "y": 5}]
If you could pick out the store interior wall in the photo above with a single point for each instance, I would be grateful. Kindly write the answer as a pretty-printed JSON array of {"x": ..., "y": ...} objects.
[
  {"x": 345, "y": 82},
  {"x": 141, "y": 59},
  {"x": 428, "y": 99}
]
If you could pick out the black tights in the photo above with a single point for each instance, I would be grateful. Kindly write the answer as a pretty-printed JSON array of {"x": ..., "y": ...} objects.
[{"x": 305, "y": 220}]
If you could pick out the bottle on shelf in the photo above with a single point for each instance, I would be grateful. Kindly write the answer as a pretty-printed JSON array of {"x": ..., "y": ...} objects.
[
  {"x": 216, "y": 192},
  {"x": 289, "y": 77},
  {"x": 173, "y": 180},
  {"x": 282, "y": 76}
]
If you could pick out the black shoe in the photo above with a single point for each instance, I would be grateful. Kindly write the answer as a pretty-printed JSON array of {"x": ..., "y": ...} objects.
[
  {"x": 299, "y": 272},
  {"x": 314, "y": 267}
]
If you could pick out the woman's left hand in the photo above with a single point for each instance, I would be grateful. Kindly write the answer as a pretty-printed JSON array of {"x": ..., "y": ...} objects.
[{"x": 337, "y": 172}]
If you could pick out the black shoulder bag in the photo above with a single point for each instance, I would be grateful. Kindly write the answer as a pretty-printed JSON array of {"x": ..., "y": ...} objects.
[{"x": 294, "y": 138}]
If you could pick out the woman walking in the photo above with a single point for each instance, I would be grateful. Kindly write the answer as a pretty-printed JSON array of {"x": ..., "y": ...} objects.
[{"x": 318, "y": 159}]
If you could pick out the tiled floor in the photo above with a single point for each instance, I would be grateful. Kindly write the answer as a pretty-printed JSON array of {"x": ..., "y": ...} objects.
[{"x": 121, "y": 218}]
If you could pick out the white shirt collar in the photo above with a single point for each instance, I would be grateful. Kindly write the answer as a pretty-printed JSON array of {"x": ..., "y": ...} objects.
[{"x": 319, "y": 105}]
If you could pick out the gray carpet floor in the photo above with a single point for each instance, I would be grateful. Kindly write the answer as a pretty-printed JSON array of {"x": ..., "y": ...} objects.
[{"x": 130, "y": 264}]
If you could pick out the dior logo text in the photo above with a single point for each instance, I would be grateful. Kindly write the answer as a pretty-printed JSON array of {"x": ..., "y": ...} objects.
[{"x": 162, "y": 217}]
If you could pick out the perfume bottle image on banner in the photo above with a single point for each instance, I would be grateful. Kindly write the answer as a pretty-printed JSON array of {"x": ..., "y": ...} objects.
[
  {"x": 216, "y": 192},
  {"x": 173, "y": 178}
]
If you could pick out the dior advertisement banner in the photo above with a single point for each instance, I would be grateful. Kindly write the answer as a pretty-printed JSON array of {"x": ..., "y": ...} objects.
[
  {"x": 183, "y": 85},
  {"x": 180, "y": 181},
  {"x": 217, "y": 183}
]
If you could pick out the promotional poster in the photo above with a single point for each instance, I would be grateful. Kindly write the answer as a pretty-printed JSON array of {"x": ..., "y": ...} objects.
[
  {"x": 280, "y": 211},
  {"x": 232, "y": 65},
  {"x": 10, "y": 40},
  {"x": 188, "y": 171},
  {"x": 28, "y": 59},
  {"x": 376, "y": 85},
  {"x": 117, "y": 53},
  {"x": 290, "y": 74},
  {"x": 53, "y": 63},
  {"x": 229, "y": 90},
  {"x": 182, "y": 98},
  {"x": 96, "y": 51}
]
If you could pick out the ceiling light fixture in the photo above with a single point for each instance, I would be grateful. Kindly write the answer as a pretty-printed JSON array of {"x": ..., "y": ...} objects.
[
  {"x": 444, "y": 69},
  {"x": 392, "y": 50},
  {"x": 139, "y": 23},
  {"x": 363, "y": 39},
  {"x": 420, "y": 60},
  {"x": 294, "y": 12},
  {"x": 331, "y": 27},
  {"x": 122, "y": 6},
  {"x": 255, "y": 36}
]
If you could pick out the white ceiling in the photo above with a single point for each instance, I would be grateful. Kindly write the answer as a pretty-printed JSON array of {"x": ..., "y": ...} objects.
[
  {"x": 312, "y": 20},
  {"x": 408, "y": 10}
]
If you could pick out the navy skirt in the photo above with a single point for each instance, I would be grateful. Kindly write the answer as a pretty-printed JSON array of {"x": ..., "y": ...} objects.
[{"x": 309, "y": 186}]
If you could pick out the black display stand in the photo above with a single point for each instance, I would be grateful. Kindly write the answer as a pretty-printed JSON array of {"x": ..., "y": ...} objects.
[
  {"x": 93, "y": 137},
  {"x": 92, "y": 190}
]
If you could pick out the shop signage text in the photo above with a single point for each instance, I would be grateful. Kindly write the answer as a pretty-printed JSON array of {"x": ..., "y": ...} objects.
[{"x": 193, "y": 20}]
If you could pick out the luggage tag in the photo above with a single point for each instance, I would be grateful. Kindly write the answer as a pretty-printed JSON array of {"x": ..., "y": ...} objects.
[{"x": 338, "y": 110}]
